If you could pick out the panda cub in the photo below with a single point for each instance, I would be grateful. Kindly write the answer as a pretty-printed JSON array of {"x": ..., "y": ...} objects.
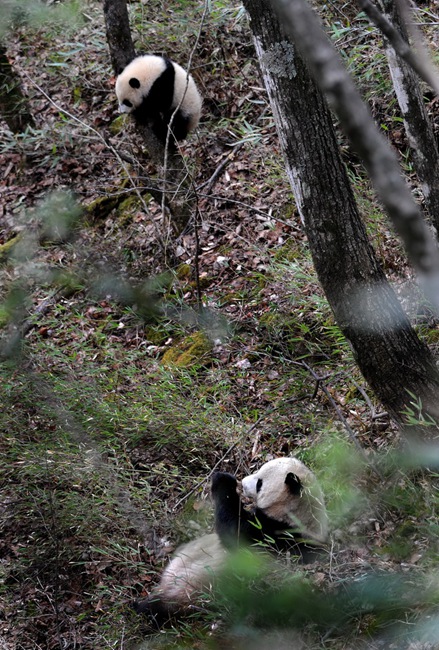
[
  {"x": 288, "y": 513},
  {"x": 151, "y": 88}
]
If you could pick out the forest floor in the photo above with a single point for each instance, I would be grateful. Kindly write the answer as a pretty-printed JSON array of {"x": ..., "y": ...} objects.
[{"x": 119, "y": 395}]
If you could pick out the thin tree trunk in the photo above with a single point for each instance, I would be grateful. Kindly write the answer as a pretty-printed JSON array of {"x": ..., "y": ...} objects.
[
  {"x": 390, "y": 355},
  {"x": 118, "y": 33},
  {"x": 417, "y": 124},
  {"x": 13, "y": 104}
]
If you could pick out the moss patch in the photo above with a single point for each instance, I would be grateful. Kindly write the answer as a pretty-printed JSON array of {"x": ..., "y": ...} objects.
[{"x": 194, "y": 349}]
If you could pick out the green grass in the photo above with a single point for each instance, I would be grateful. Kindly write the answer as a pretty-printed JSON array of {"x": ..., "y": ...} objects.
[
  {"x": 105, "y": 450},
  {"x": 106, "y": 453},
  {"x": 103, "y": 443}
]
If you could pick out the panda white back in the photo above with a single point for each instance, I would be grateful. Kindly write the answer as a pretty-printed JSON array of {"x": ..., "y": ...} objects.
[
  {"x": 287, "y": 491},
  {"x": 192, "y": 569},
  {"x": 186, "y": 96}
]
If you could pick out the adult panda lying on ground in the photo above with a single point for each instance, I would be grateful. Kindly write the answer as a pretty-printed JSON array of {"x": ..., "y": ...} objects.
[
  {"x": 151, "y": 88},
  {"x": 288, "y": 512}
]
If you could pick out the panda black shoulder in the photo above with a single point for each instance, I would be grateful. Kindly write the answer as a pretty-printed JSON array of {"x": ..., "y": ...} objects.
[{"x": 161, "y": 94}]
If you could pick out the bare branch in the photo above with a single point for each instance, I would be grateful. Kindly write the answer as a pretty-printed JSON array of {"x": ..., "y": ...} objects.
[{"x": 418, "y": 127}]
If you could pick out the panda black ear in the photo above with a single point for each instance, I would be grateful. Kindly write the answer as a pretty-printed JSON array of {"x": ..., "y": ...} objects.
[
  {"x": 294, "y": 484},
  {"x": 134, "y": 83}
]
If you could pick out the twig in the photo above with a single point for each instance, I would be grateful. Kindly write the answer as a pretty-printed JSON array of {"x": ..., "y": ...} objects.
[
  {"x": 40, "y": 310},
  {"x": 373, "y": 414},
  {"x": 197, "y": 252},
  {"x": 266, "y": 215},
  {"x": 341, "y": 417},
  {"x": 226, "y": 160},
  {"x": 320, "y": 383},
  {"x": 17, "y": 332},
  {"x": 177, "y": 108}
]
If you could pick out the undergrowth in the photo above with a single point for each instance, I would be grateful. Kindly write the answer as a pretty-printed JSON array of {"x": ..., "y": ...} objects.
[{"x": 107, "y": 451}]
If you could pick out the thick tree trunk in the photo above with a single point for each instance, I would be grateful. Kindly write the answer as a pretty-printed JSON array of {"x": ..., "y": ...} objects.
[
  {"x": 13, "y": 104},
  {"x": 390, "y": 355},
  {"x": 418, "y": 127}
]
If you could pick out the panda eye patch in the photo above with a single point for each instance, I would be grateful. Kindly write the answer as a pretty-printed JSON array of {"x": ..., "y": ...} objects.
[
  {"x": 258, "y": 485},
  {"x": 134, "y": 83},
  {"x": 126, "y": 102}
]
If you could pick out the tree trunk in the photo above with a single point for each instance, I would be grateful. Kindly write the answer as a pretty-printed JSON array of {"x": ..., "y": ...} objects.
[
  {"x": 417, "y": 124},
  {"x": 13, "y": 104},
  {"x": 391, "y": 357},
  {"x": 118, "y": 34}
]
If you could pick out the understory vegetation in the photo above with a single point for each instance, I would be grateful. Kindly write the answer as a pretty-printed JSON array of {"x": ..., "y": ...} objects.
[{"x": 126, "y": 380}]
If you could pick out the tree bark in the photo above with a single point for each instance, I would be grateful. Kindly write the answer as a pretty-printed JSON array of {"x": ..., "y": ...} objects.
[
  {"x": 13, "y": 104},
  {"x": 396, "y": 364},
  {"x": 420, "y": 63},
  {"x": 118, "y": 34},
  {"x": 365, "y": 138},
  {"x": 417, "y": 124}
]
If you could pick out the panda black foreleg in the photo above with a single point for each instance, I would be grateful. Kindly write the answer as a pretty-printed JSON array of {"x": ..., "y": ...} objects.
[
  {"x": 179, "y": 127},
  {"x": 157, "y": 121},
  {"x": 159, "y": 127},
  {"x": 232, "y": 521}
]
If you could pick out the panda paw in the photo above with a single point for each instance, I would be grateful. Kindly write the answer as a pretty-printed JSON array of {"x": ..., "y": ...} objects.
[
  {"x": 223, "y": 482},
  {"x": 157, "y": 612},
  {"x": 141, "y": 606}
]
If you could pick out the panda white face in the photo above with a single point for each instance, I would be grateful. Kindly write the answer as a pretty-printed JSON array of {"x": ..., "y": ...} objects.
[
  {"x": 271, "y": 485},
  {"x": 287, "y": 491},
  {"x": 135, "y": 81},
  {"x": 129, "y": 105},
  {"x": 132, "y": 97}
]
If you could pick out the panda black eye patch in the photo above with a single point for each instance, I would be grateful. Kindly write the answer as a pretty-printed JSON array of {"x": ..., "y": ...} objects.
[
  {"x": 258, "y": 485},
  {"x": 134, "y": 83},
  {"x": 126, "y": 102}
]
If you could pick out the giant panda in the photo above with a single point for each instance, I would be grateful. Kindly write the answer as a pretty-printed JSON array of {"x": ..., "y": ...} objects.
[
  {"x": 151, "y": 87},
  {"x": 288, "y": 513},
  {"x": 289, "y": 505}
]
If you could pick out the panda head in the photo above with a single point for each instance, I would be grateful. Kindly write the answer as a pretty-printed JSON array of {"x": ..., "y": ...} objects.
[
  {"x": 135, "y": 81},
  {"x": 288, "y": 492}
]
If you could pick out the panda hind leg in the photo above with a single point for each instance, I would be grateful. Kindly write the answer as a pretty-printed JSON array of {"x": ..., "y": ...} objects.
[
  {"x": 179, "y": 128},
  {"x": 180, "y": 125}
]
